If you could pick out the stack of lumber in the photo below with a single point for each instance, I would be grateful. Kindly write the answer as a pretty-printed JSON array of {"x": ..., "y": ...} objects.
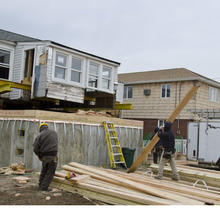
[
  {"x": 21, "y": 179},
  {"x": 13, "y": 169},
  {"x": 192, "y": 174},
  {"x": 117, "y": 187}
]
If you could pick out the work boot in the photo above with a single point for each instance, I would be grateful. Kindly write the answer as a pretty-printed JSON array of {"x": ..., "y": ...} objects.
[
  {"x": 158, "y": 177},
  {"x": 46, "y": 190},
  {"x": 176, "y": 178}
]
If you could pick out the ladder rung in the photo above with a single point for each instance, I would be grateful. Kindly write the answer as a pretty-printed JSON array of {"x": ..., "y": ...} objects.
[
  {"x": 115, "y": 145},
  {"x": 113, "y": 137},
  {"x": 118, "y": 154},
  {"x": 120, "y": 162}
]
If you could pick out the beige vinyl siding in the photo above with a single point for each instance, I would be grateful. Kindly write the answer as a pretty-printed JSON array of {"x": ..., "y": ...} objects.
[
  {"x": 203, "y": 101},
  {"x": 155, "y": 107}
]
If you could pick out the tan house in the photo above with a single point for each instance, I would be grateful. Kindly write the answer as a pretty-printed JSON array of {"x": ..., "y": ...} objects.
[{"x": 155, "y": 94}]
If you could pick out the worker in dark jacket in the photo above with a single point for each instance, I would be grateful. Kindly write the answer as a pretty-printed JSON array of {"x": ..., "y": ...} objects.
[
  {"x": 157, "y": 150},
  {"x": 46, "y": 147},
  {"x": 168, "y": 140}
]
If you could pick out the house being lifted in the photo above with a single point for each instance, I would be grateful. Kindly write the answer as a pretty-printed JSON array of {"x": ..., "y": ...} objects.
[{"x": 52, "y": 75}]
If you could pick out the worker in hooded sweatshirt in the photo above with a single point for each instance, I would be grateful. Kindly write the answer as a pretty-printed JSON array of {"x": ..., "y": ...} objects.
[
  {"x": 46, "y": 147},
  {"x": 168, "y": 155},
  {"x": 157, "y": 150}
]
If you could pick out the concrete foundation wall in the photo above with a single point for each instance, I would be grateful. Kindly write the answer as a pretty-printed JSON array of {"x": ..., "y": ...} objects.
[{"x": 79, "y": 142}]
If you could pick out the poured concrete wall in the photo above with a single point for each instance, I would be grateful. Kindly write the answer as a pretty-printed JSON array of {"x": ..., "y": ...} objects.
[{"x": 79, "y": 142}]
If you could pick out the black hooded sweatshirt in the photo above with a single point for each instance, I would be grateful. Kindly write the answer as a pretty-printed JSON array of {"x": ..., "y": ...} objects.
[
  {"x": 167, "y": 137},
  {"x": 46, "y": 143}
]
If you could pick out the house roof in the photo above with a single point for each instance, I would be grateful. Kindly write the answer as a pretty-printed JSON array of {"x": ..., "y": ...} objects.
[
  {"x": 167, "y": 75},
  {"x": 13, "y": 37}
]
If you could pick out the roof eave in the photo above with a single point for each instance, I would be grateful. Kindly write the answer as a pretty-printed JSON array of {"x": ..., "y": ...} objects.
[
  {"x": 210, "y": 82},
  {"x": 85, "y": 53}
]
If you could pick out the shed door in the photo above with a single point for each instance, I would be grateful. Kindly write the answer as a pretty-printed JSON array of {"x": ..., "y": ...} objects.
[
  {"x": 209, "y": 150},
  {"x": 192, "y": 139}
]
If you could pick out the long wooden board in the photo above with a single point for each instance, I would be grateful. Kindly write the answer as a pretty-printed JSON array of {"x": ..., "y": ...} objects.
[
  {"x": 126, "y": 195},
  {"x": 191, "y": 192},
  {"x": 155, "y": 139},
  {"x": 138, "y": 186},
  {"x": 190, "y": 175}
]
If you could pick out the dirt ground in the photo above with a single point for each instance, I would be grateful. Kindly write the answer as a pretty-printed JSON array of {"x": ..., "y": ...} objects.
[{"x": 12, "y": 193}]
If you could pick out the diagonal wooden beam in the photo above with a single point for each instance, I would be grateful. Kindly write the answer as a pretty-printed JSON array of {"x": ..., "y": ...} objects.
[{"x": 155, "y": 139}]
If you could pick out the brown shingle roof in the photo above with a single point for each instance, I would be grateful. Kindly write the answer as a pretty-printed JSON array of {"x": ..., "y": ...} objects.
[
  {"x": 157, "y": 75},
  {"x": 178, "y": 74}
]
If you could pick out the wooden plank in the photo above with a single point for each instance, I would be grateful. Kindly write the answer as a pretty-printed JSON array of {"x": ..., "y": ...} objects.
[
  {"x": 20, "y": 178},
  {"x": 191, "y": 192},
  {"x": 71, "y": 117},
  {"x": 81, "y": 171},
  {"x": 91, "y": 194},
  {"x": 127, "y": 195},
  {"x": 137, "y": 186},
  {"x": 77, "y": 179},
  {"x": 155, "y": 139},
  {"x": 190, "y": 175}
]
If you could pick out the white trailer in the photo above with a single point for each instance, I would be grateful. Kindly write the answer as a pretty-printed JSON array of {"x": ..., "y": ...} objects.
[{"x": 204, "y": 141}]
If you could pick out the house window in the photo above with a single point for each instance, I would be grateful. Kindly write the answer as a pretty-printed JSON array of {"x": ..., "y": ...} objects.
[
  {"x": 160, "y": 123},
  {"x": 194, "y": 153},
  {"x": 61, "y": 66},
  {"x": 93, "y": 75},
  {"x": 76, "y": 70},
  {"x": 213, "y": 94},
  {"x": 128, "y": 92},
  {"x": 106, "y": 75},
  {"x": 165, "y": 91},
  {"x": 4, "y": 64}
]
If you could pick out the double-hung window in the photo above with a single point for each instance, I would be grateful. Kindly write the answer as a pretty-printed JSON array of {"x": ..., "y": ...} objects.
[
  {"x": 93, "y": 74},
  {"x": 213, "y": 94},
  {"x": 160, "y": 123},
  {"x": 4, "y": 64},
  {"x": 165, "y": 91},
  {"x": 76, "y": 70},
  {"x": 106, "y": 77},
  {"x": 61, "y": 66},
  {"x": 128, "y": 92}
]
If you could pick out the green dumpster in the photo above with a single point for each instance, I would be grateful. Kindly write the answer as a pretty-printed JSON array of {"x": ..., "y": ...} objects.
[{"x": 128, "y": 155}]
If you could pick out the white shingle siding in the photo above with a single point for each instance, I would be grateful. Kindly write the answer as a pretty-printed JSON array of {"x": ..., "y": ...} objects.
[{"x": 17, "y": 70}]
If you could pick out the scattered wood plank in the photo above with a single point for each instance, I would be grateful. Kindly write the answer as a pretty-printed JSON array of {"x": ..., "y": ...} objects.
[
  {"x": 77, "y": 179},
  {"x": 118, "y": 187},
  {"x": 191, "y": 192},
  {"x": 191, "y": 175},
  {"x": 21, "y": 179},
  {"x": 138, "y": 186}
]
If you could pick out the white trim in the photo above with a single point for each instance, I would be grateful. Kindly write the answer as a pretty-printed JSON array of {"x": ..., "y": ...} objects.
[
  {"x": 85, "y": 55},
  {"x": 160, "y": 120},
  {"x": 79, "y": 71},
  {"x": 165, "y": 91},
  {"x": 10, "y": 49},
  {"x": 68, "y": 68},
  {"x": 99, "y": 77},
  {"x": 84, "y": 72},
  {"x": 213, "y": 97},
  {"x": 126, "y": 93}
]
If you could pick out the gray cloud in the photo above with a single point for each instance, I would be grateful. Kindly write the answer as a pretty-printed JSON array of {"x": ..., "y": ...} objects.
[{"x": 141, "y": 34}]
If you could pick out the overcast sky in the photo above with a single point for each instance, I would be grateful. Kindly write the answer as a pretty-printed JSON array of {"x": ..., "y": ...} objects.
[{"x": 142, "y": 35}]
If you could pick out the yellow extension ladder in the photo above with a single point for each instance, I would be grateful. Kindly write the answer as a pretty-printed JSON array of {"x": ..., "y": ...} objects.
[{"x": 116, "y": 156}]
